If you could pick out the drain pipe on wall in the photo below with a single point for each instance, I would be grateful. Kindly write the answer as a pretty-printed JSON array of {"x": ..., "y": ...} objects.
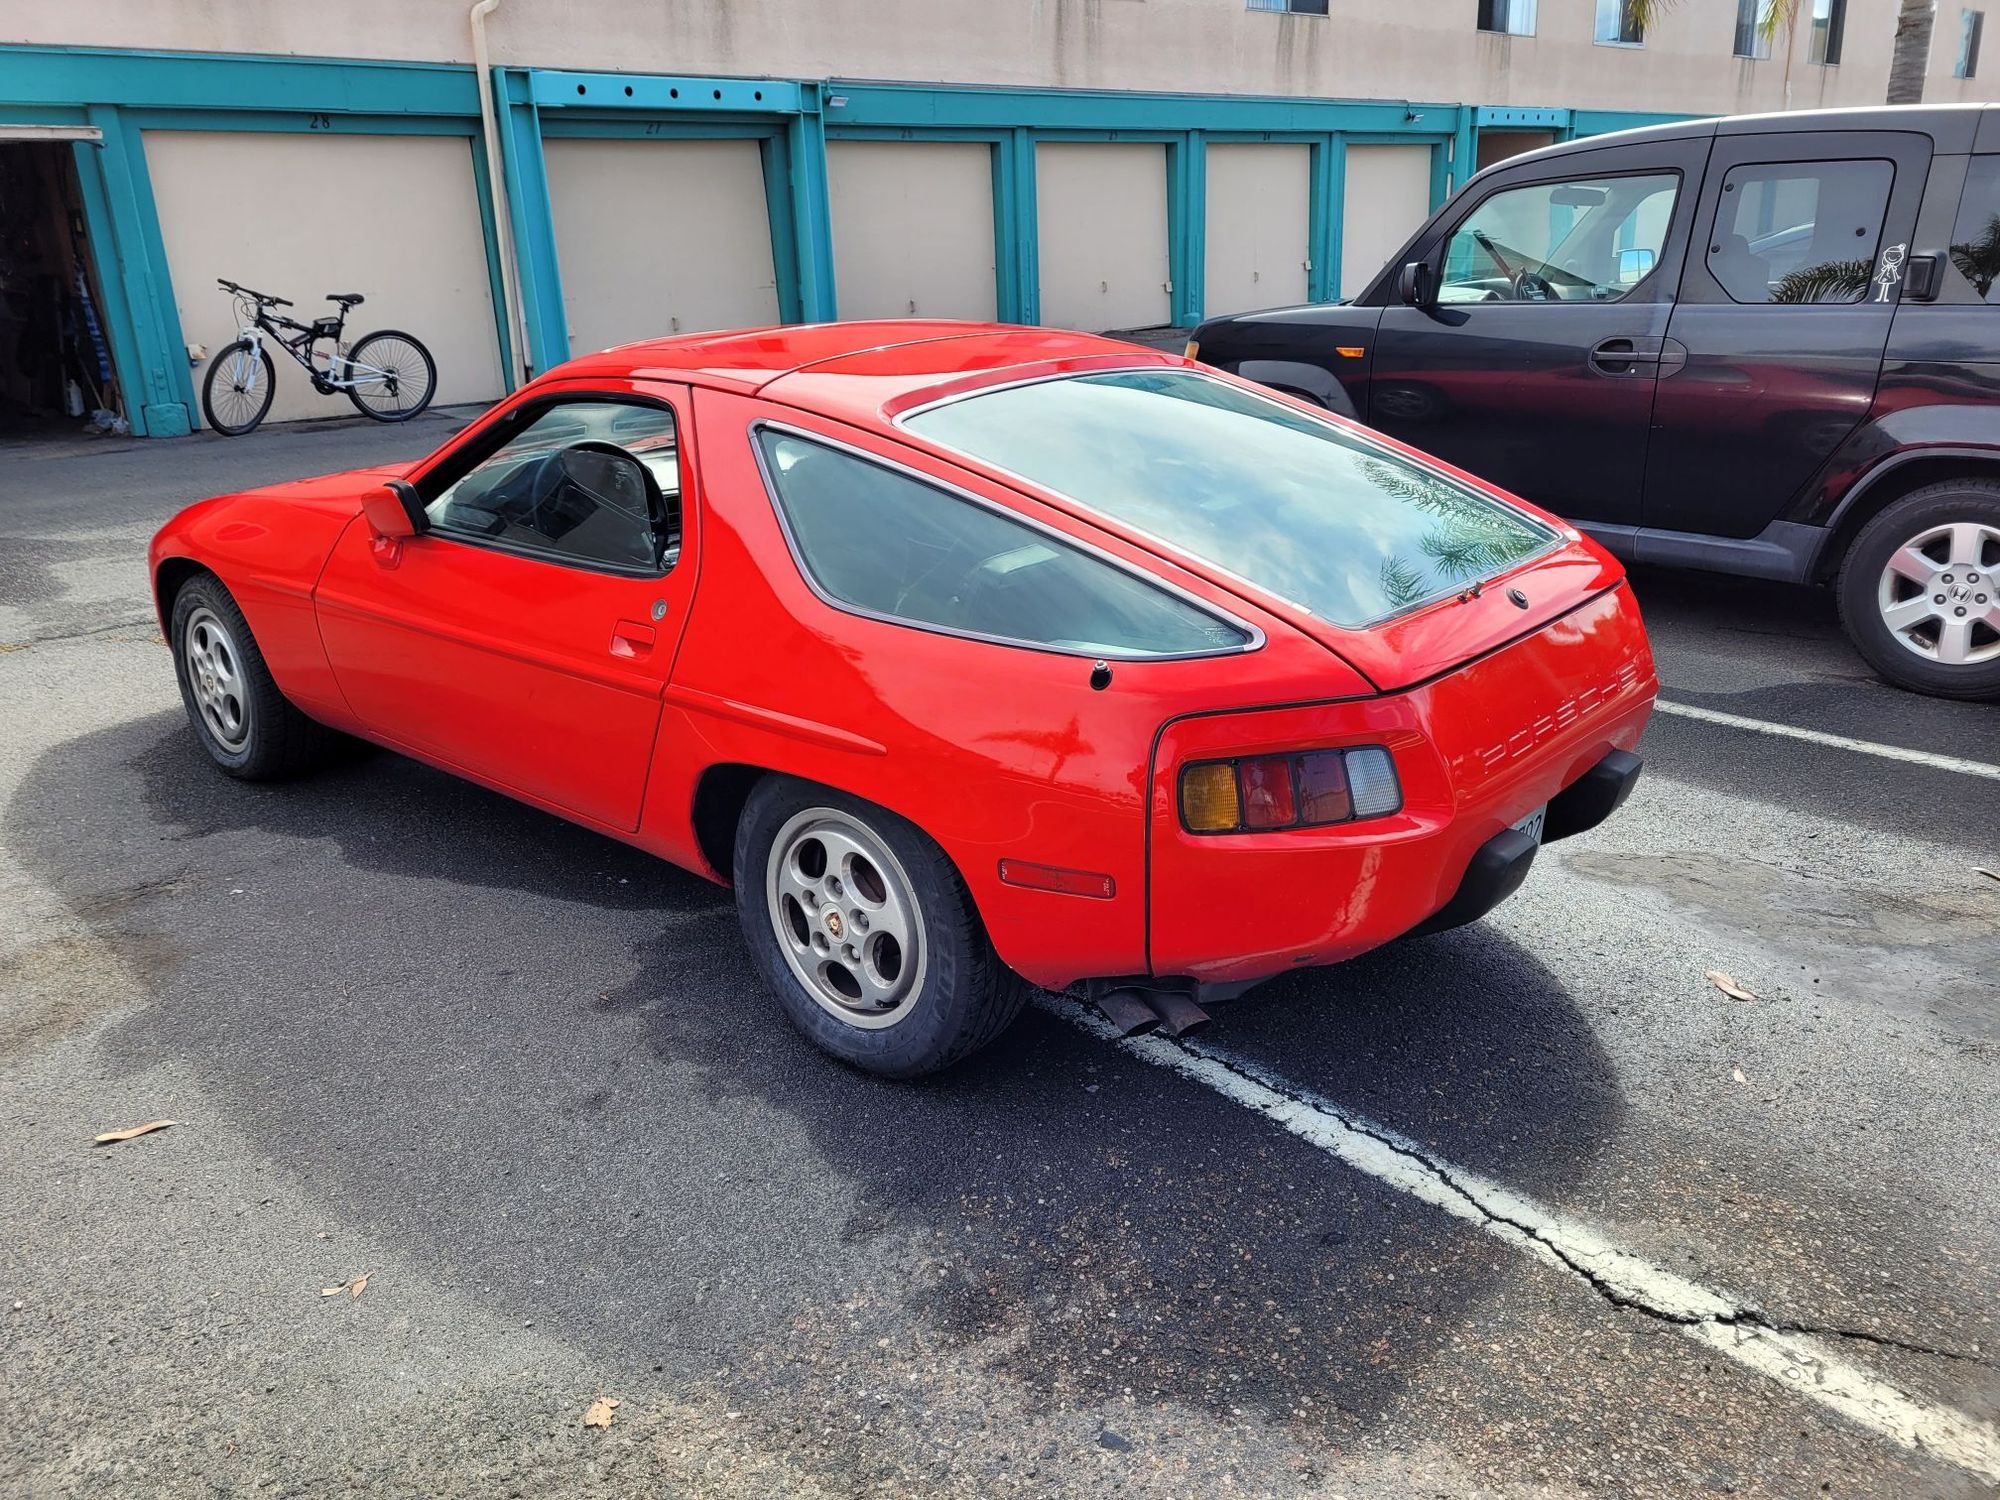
[{"x": 496, "y": 178}]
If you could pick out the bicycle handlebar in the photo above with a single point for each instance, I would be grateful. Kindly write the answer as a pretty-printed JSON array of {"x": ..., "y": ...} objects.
[{"x": 263, "y": 297}]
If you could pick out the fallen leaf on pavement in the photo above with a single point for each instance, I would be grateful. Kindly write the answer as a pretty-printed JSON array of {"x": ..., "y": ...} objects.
[
  {"x": 601, "y": 1412},
  {"x": 352, "y": 1288},
  {"x": 1721, "y": 980},
  {"x": 113, "y": 1137},
  {"x": 1737, "y": 1074},
  {"x": 1982, "y": 870}
]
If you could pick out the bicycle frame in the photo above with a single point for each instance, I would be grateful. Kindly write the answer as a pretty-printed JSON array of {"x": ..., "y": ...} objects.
[{"x": 298, "y": 340}]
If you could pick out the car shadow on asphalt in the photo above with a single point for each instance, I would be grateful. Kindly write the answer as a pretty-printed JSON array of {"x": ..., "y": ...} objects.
[{"x": 1053, "y": 1211}]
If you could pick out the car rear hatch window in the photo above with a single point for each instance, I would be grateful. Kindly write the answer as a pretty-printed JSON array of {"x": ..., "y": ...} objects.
[{"x": 1317, "y": 515}]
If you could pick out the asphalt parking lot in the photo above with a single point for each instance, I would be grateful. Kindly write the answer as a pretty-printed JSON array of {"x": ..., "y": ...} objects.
[{"x": 1531, "y": 1208}]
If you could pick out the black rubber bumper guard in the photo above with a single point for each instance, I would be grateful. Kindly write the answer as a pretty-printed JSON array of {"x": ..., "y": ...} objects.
[{"x": 1503, "y": 861}]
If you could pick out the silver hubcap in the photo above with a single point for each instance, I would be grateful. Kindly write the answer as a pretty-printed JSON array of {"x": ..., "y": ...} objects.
[
  {"x": 215, "y": 674},
  {"x": 1940, "y": 595},
  {"x": 846, "y": 918}
]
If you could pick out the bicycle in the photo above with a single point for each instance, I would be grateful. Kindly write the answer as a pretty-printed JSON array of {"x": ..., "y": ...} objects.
[{"x": 388, "y": 375}]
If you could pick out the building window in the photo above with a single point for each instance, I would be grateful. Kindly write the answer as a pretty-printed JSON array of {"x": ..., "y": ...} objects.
[
  {"x": 1291, "y": 7},
  {"x": 1618, "y": 24},
  {"x": 1514, "y": 17},
  {"x": 1829, "y": 25},
  {"x": 1752, "y": 40},
  {"x": 1971, "y": 23}
]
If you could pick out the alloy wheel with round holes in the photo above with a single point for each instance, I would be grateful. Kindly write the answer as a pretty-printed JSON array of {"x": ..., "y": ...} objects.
[
  {"x": 1920, "y": 590},
  {"x": 215, "y": 674},
  {"x": 245, "y": 724},
  {"x": 864, "y": 930},
  {"x": 845, "y": 917}
]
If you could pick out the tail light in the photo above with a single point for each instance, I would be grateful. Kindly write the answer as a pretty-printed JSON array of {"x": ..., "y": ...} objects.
[{"x": 1257, "y": 793}]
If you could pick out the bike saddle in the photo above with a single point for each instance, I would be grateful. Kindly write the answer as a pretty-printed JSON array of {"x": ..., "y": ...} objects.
[{"x": 346, "y": 299}]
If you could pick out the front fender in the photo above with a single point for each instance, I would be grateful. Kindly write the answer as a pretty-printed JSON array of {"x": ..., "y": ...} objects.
[{"x": 268, "y": 551}]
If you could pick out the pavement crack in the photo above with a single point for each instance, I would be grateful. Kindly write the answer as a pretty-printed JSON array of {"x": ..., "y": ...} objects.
[
  {"x": 1699, "y": 1306},
  {"x": 85, "y": 633}
]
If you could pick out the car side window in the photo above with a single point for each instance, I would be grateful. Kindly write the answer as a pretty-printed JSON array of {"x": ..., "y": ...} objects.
[
  {"x": 1800, "y": 232},
  {"x": 1975, "y": 241},
  {"x": 886, "y": 543},
  {"x": 571, "y": 485},
  {"x": 1590, "y": 239}
]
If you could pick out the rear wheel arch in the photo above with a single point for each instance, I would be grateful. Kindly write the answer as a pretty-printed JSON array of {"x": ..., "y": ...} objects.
[
  {"x": 720, "y": 794},
  {"x": 1888, "y": 484}
]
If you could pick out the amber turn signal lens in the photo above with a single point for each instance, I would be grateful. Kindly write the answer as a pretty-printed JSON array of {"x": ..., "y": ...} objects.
[
  {"x": 1191, "y": 351},
  {"x": 1209, "y": 803}
]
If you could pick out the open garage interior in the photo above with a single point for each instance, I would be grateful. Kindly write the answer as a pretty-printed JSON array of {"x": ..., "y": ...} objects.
[
  {"x": 1259, "y": 226},
  {"x": 656, "y": 237},
  {"x": 1101, "y": 208},
  {"x": 55, "y": 364},
  {"x": 301, "y": 214},
  {"x": 912, "y": 228},
  {"x": 1388, "y": 195}
]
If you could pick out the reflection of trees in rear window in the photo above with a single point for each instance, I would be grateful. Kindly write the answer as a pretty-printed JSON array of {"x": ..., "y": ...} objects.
[
  {"x": 1975, "y": 242},
  {"x": 1800, "y": 232},
  {"x": 1468, "y": 539}
]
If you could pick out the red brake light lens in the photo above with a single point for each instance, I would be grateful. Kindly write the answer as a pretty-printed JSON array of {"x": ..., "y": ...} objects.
[
  {"x": 1267, "y": 792},
  {"x": 1308, "y": 790}
]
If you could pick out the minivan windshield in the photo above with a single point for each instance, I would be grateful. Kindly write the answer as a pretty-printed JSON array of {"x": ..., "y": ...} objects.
[{"x": 1318, "y": 515}]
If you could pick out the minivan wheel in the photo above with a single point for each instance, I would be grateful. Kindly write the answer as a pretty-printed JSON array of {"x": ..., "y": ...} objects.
[
  {"x": 865, "y": 932},
  {"x": 1919, "y": 590}
]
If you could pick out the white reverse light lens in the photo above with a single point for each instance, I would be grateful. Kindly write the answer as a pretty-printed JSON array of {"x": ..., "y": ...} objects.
[{"x": 1371, "y": 777}]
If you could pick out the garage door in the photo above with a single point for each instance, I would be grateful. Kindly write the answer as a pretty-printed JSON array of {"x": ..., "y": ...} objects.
[
  {"x": 912, "y": 228},
  {"x": 395, "y": 218},
  {"x": 1388, "y": 197},
  {"x": 1259, "y": 227},
  {"x": 1102, "y": 217},
  {"x": 658, "y": 237}
]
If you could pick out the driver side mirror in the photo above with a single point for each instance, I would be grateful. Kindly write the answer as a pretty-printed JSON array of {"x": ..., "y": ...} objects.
[
  {"x": 395, "y": 511},
  {"x": 1413, "y": 284}
]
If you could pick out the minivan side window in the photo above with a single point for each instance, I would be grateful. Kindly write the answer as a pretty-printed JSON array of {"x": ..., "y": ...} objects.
[
  {"x": 1975, "y": 241},
  {"x": 1591, "y": 239},
  {"x": 1803, "y": 231}
]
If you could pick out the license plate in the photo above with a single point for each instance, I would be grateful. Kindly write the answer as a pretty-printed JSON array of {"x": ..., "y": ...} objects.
[{"x": 1532, "y": 824}]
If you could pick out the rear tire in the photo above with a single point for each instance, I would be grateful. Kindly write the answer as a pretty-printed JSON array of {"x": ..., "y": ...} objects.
[
  {"x": 407, "y": 384},
  {"x": 1919, "y": 590},
  {"x": 864, "y": 931},
  {"x": 237, "y": 391},
  {"x": 248, "y": 727}
]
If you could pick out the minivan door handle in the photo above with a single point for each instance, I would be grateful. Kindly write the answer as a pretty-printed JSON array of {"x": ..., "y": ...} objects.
[{"x": 1624, "y": 356}]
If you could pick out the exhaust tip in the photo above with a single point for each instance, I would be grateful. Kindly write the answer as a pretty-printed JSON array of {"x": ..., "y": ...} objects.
[
  {"x": 1178, "y": 1014},
  {"x": 1127, "y": 1011}
]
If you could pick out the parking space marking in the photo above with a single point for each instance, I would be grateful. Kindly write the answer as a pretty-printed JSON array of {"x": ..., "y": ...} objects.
[
  {"x": 1838, "y": 741},
  {"x": 1787, "y": 1354}
]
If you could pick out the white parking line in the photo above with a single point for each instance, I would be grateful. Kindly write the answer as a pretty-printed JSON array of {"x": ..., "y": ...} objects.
[
  {"x": 1725, "y": 1323},
  {"x": 1838, "y": 741}
]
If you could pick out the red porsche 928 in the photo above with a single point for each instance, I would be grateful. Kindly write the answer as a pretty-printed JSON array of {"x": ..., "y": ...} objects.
[{"x": 973, "y": 657}]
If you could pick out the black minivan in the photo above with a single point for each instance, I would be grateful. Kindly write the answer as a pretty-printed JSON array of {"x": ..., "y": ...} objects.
[{"x": 1767, "y": 345}]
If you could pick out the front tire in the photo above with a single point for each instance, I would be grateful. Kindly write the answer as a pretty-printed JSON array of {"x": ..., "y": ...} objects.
[
  {"x": 395, "y": 376},
  {"x": 237, "y": 391},
  {"x": 865, "y": 932},
  {"x": 1919, "y": 590},
  {"x": 248, "y": 728}
]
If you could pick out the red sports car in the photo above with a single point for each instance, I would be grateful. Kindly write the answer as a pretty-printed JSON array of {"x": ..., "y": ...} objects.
[{"x": 973, "y": 657}]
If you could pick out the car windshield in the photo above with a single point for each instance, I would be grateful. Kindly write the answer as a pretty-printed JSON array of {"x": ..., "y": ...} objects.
[{"x": 1301, "y": 508}]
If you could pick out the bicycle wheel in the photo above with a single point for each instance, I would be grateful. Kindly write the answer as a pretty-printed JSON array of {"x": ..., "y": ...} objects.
[
  {"x": 394, "y": 376},
  {"x": 238, "y": 388}
]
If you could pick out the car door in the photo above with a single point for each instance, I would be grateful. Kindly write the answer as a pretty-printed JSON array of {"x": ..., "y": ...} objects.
[
  {"x": 1530, "y": 359},
  {"x": 525, "y": 636},
  {"x": 1777, "y": 337}
]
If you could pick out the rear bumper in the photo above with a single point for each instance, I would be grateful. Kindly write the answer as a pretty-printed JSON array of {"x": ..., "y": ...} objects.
[
  {"x": 1501, "y": 864},
  {"x": 1552, "y": 720}
]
